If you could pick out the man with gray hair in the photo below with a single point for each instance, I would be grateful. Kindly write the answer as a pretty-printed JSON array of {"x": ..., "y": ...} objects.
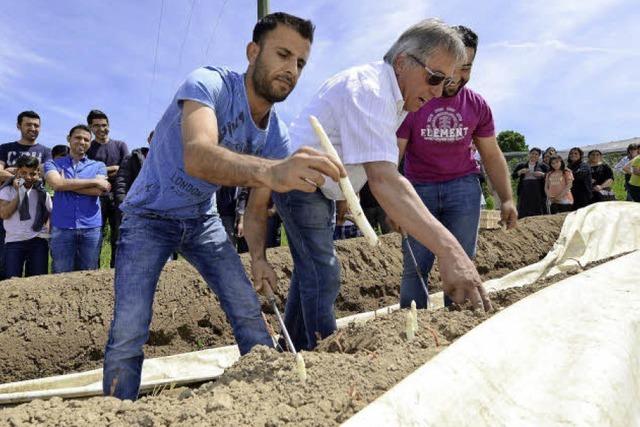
[{"x": 361, "y": 109}]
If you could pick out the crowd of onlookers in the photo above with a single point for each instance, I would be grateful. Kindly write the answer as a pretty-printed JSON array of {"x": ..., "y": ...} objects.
[
  {"x": 547, "y": 184},
  {"x": 92, "y": 174}
]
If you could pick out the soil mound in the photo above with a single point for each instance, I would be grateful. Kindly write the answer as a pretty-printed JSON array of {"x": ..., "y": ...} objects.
[{"x": 57, "y": 324}]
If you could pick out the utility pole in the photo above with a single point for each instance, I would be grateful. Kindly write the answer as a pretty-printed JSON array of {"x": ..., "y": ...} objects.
[{"x": 263, "y": 8}]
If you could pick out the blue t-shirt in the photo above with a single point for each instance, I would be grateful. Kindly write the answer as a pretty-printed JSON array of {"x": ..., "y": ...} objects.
[
  {"x": 72, "y": 210},
  {"x": 163, "y": 187}
]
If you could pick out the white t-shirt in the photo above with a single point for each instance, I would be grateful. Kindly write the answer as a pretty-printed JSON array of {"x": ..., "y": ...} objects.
[
  {"x": 16, "y": 230},
  {"x": 360, "y": 109}
]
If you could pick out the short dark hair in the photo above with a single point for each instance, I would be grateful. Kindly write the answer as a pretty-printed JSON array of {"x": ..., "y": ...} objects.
[
  {"x": 304, "y": 27},
  {"x": 59, "y": 150},
  {"x": 469, "y": 38},
  {"x": 632, "y": 146},
  {"x": 539, "y": 151},
  {"x": 30, "y": 114},
  {"x": 579, "y": 150},
  {"x": 96, "y": 114},
  {"x": 556, "y": 157},
  {"x": 80, "y": 126},
  {"x": 27, "y": 161},
  {"x": 594, "y": 152}
]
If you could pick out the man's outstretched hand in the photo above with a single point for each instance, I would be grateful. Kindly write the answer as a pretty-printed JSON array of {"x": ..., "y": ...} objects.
[{"x": 304, "y": 171}]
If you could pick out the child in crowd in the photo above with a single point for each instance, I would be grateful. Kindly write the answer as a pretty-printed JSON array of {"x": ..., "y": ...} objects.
[
  {"x": 558, "y": 186},
  {"x": 25, "y": 208}
]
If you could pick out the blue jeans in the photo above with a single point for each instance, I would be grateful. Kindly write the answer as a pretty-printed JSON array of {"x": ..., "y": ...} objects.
[
  {"x": 309, "y": 221},
  {"x": 144, "y": 246},
  {"x": 456, "y": 204},
  {"x": 75, "y": 249},
  {"x": 30, "y": 256}
]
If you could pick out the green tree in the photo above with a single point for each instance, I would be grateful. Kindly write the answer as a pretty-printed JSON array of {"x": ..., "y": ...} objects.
[{"x": 510, "y": 140}]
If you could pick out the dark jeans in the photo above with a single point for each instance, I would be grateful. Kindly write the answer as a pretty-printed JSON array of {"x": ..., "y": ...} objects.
[
  {"x": 634, "y": 192},
  {"x": 145, "y": 244},
  {"x": 315, "y": 282},
  {"x": 229, "y": 223},
  {"x": 111, "y": 215},
  {"x": 377, "y": 217},
  {"x": 456, "y": 204},
  {"x": 30, "y": 256},
  {"x": 558, "y": 208},
  {"x": 272, "y": 239}
]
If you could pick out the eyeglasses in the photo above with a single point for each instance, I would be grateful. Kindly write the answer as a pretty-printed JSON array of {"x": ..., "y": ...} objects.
[{"x": 435, "y": 77}]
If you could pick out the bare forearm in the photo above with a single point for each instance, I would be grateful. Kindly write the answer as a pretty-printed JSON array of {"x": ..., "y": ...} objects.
[
  {"x": 8, "y": 208},
  {"x": 5, "y": 175},
  {"x": 255, "y": 226},
  {"x": 220, "y": 166},
  {"x": 498, "y": 174},
  {"x": 90, "y": 191},
  {"x": 65, "y": 184}
]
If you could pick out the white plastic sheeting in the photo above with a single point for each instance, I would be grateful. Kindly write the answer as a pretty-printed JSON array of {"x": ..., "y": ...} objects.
[
  {"x": 157, "y": 373},
  {"x": 599, "y": 231},
  {"x": 567, "y": 355}
]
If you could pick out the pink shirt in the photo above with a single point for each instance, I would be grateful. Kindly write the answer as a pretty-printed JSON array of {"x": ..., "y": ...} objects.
[{"x": 440, "y": 137}]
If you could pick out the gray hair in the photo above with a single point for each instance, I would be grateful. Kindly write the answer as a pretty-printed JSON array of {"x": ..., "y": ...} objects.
[{"x": 425, "y": 38}]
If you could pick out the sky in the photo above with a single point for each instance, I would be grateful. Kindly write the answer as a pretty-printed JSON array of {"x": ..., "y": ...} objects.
[{"x": 563, "y": 73}]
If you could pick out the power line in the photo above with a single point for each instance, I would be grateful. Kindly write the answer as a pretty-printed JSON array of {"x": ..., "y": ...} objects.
[
  {"x": 215, "y": 28},
  {"x": 155, "y": 60},
  {"x": 186, "y": 34}
]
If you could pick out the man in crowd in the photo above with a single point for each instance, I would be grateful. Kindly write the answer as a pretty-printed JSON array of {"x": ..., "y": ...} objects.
[
  {"x": 624, "y": 166},
  {"x": 28, "y": 124},
  {"x": 111, "y": 152},
  {"x": 59, "y": 151},
  {"x": 220, "y": 130},
  {"x": 25, "y": 207},
  {"x": 76, "y": 221},
  {"x": 439, "y": 142},
  {"x": 361, "y": 109}
]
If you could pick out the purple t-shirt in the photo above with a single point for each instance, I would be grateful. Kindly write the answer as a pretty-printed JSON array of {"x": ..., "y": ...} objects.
[{"x": 440, "y": 137}]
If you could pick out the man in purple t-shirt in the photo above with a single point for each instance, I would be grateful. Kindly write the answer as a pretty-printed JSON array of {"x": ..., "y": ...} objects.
[
  {"x": 111, "y": 152},
  {"x": 437, "y": 143}
]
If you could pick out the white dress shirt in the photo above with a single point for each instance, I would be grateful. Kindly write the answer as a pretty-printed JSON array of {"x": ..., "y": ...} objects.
[{"x": 360, "y": 109}]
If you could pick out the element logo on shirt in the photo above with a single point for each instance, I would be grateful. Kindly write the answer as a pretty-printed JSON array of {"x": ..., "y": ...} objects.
[{"x": 444, "y": 125}]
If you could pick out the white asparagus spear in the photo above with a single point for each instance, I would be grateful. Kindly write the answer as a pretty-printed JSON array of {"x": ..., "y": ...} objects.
[{"x": 345, "y": 185}]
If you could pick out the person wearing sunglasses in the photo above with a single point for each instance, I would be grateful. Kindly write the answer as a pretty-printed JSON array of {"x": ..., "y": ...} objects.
[
  {"x": 361, "y": 109},
  {"x": 437, "y": 143}
]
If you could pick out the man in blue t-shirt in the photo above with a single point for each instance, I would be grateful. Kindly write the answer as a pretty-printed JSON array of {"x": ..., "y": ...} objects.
[
  {"x": 220, "y": 130},
  {"x": 29, "y": 127},
  {"x": 76, "y": 220}
]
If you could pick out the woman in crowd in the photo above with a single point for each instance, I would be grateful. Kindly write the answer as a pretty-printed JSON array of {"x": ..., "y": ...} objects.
[
  {"x": 558, "y": 186},
  {"x": 548, "y": 153},
  {"x": 531, "y": 197},
  {"x": 601, "y": 178},
  {"x": 582, "y": 187}
]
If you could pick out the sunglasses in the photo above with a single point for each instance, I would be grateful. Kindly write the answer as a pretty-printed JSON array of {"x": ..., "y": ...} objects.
[{"x": 435, "y": 77}]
